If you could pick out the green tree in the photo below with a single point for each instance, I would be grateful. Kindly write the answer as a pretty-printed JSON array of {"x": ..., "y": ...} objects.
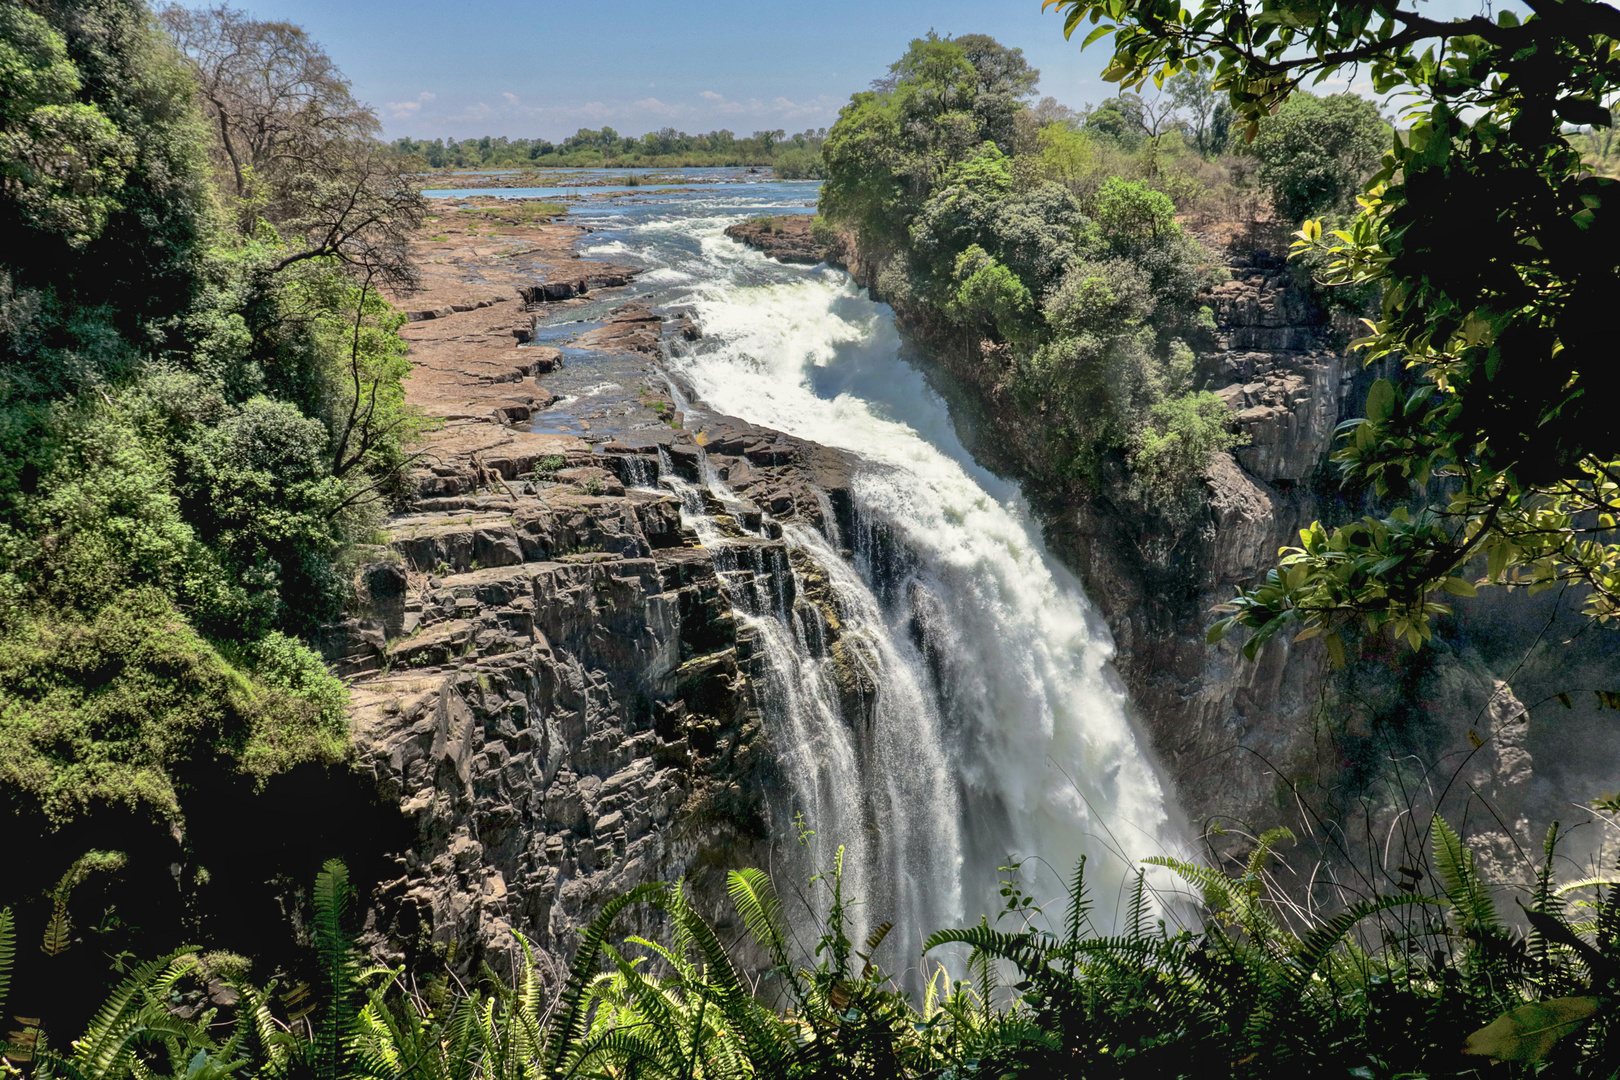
[
  {"x": 1494, "y": 246},
  {"x": 1316, "y": 153},
  {"x": 1200, "y": 107}
]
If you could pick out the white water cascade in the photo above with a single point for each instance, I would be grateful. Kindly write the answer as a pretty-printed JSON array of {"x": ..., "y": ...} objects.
[{"x": 996, "y": 728}]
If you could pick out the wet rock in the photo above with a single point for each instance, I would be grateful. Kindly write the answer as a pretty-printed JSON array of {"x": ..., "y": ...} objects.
[
  {"x": 786, "y": 238},
  {"x": 557, "y": 691}
]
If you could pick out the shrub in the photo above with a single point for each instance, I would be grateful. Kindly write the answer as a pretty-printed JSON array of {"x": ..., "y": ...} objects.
[
  {"x": 988, "y": 292},
  {"x": 798, "y": 164},
  {"x": 1175, "y": 445},
  {"x": 1316, "y": 152},
  {"x": 110, "y": 710}
]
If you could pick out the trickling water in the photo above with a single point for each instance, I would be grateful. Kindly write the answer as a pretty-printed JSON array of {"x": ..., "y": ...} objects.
[
  {"x": 639, "y": 473},
  {"x": 942, "y": 700}
]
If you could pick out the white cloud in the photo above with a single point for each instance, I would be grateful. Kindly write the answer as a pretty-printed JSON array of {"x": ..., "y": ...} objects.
[
  {"x": 511, "y": 98},
  {"x": 404, "y": 110},
  {"x": 407, "y": 110},
  {"x": 472, "y": 114},
  {"x": 656, "y": 107},
  {"x": 710, "y": 95}
]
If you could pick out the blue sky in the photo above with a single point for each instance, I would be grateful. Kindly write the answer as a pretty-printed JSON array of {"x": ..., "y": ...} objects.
[{"x": 478, "y": 67}]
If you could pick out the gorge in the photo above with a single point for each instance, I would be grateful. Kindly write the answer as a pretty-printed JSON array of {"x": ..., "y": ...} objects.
[
  {"x": 805, "y": 608},
  {"x": 742, "y": 595}
]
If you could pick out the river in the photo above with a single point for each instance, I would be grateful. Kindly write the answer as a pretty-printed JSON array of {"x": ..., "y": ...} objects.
[{"x": 999, "y": 732}]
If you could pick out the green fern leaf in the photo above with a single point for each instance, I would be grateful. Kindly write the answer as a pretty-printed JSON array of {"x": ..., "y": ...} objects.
[
  {"x": 566, "y": 1036},
  {"x": 1470, "y": 900},
  {"x": 8, "y": 952}
]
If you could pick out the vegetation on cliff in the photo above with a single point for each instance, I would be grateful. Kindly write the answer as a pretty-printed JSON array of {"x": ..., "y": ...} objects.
[
  {"x": 200, "y": 403},
  {"x": 1491, "y": 236},
  {"x": 1048, "y": 242}
]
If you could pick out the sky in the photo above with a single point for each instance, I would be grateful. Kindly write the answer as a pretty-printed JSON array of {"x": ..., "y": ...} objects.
[{"x": 448, "y": 69}]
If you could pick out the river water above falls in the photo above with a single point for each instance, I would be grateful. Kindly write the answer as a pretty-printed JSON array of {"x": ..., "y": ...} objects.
[{"x": 995, "y": 728}]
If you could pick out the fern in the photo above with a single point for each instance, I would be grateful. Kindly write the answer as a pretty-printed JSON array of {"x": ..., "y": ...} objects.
[
  {"x": 1470, "y": 901},
  {"x": 1322, "y": 939},
  {"x": 574, "y": 1003},
  {"x": 8, "y": 952},
  {"x": 339, "y": 970},
  {"x": 1077, "y": 919},
  {"x": 756, "y": 901}
]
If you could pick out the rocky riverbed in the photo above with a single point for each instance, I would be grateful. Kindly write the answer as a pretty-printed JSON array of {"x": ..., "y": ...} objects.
[{"x": 547, "y": 676}]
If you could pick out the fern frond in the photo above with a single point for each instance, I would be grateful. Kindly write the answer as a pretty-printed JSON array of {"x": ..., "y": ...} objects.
[
  {"x": 1214, "y": 887},
  {"x": 8, "y": 952},
  {"x": 339, "y": 968},
  {"x": 573, "y": 1005},
  {"x": 106, "y": 1041},
  {"x": 1315, "y": 946},
  {"x": 1078, "y": 916},
  {"x": 1136, "y": 913},
  {"x": 1585, "y": 883},
  {"x": 1469, "y": 898},
  {"x": 760, "y": 1032},
  {"x": 873, "y": 941},
  {"x": 1024, "y": 950},
  {"x": 756, "y": 901}
]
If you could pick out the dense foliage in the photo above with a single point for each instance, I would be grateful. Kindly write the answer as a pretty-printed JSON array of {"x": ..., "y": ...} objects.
[
  {"x": 1013, "y": 225},
  {"x": 1316, "y": 152},
  {"x": 1489, "y": 234},
  {"x": 200, "y": 403},
  {"x": 794, "y": 157},
  {"x": 1410, "y": 985}
]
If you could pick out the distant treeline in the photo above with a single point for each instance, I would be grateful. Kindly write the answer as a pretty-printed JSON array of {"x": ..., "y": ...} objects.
[{"x": 793, "y": 156}]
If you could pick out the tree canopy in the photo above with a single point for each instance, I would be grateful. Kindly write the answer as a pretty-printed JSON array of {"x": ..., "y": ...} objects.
[{"x": 991, "y": 216}]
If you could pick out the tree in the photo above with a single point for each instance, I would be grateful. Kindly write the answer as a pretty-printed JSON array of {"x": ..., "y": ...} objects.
[
  {"x": 1120, "y": 118},
  {"x": 1495, "y": 248},
  {"x": 274, "y": 97},
  {"x": 62, "y": 160},
  {"x": 299, "y": 151},
  {"x": 1198, "y": 104},
  {"x": 1005, "y": 83},
  {"x": 1317, "y": 152}
]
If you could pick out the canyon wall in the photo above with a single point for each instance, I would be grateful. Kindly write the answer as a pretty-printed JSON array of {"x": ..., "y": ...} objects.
[{"x": 550, "y": 682}]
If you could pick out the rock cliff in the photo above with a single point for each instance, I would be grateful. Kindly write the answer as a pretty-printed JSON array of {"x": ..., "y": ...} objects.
[
  {"x": 786, "y": 238},
  {"x": 549, "y": 680}
]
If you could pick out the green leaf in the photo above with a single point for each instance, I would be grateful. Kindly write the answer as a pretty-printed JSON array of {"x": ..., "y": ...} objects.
[
  {"x": 1380, "y": 400},
  {"x": 1529, "y": 1032},
  {"x": 1335, "y": 648},
  {"x": 1456, "y": 586},
  {"x": 1497, "y": 562},
  {"x": 1101, "y": 31}
]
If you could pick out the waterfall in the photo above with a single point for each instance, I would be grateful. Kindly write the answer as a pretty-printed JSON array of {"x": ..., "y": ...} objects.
[
  {"x": 1000, "y": 731},
  {"x": 639, "y": 473},
  {"x": 936, "y": 685}
]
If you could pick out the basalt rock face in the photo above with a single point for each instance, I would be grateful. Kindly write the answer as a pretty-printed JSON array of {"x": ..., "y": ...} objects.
[
  {"x": 549, "y": 681},
  {"x": 1221, "y": 725}
]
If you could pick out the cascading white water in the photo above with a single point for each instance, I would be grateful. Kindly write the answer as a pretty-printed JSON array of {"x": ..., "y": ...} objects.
[{"x": 998, "y": 729}]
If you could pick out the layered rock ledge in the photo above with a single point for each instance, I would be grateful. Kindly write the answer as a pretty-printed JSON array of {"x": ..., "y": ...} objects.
[{"x": 547, "y": 676}]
